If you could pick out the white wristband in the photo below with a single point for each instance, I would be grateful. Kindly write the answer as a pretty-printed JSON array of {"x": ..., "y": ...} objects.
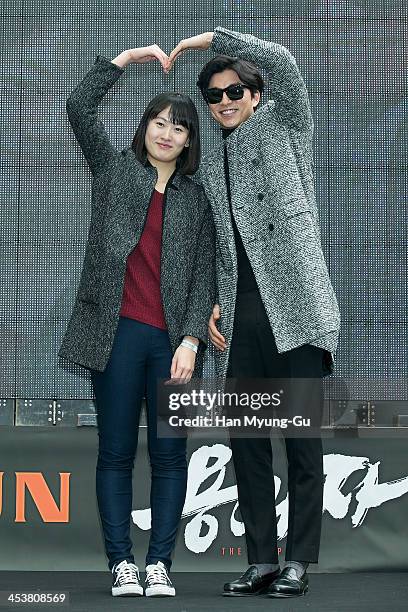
[{"x": 188, "y": 344}]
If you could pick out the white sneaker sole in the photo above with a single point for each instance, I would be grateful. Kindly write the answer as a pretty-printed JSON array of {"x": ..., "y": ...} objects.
[
  {"x": 160, "y": 591},
  {"x": 129, "y": 590}
]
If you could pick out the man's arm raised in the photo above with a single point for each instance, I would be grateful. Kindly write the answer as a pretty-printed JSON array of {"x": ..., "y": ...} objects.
[{"x": 288, "y": 88}]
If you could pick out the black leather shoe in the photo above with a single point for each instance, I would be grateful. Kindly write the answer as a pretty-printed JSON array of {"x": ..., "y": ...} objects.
[
  {"x": 288, "y": 584},
  {"x": 250, "y": 583}
]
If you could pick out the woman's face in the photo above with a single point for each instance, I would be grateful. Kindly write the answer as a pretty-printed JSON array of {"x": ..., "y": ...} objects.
[{"x": 165, "y": 140}]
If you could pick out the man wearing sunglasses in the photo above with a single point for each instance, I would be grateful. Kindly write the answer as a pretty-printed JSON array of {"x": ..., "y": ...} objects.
[{"x": 277, "y": 314}]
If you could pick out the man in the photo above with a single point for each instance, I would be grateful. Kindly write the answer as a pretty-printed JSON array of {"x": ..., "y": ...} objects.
[{"x": 277, "y": 312}]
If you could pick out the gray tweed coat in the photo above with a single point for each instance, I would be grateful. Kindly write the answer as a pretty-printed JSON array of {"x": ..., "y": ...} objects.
[
  {"x": 121, "y": 192},
  {"x": 273, "y": 201}
]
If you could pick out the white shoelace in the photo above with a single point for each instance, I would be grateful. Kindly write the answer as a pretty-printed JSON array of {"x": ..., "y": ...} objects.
[
  {"x": 156, "y": 574},
  {"x": 127, "y": 572}
]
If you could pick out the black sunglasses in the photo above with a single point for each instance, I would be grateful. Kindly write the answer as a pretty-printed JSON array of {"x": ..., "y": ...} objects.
[{"x": 213, "y": 95}]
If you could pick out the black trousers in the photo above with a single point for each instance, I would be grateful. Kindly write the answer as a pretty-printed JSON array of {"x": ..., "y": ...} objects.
[{"x": 253, "y": 353}]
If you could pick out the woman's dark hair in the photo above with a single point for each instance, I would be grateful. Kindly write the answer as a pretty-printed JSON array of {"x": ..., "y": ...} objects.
[
  {"x": 247, "y": 72},
  {"x": 182, "y": 112}
]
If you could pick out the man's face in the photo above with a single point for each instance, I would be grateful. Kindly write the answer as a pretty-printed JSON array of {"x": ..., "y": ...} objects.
[{"x": 231, "y": 113}]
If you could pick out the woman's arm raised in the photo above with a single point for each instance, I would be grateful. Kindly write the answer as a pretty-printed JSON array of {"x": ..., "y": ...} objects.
[
  {"x": 82, "y": 103},
  {"x": 141, "y": 55}
]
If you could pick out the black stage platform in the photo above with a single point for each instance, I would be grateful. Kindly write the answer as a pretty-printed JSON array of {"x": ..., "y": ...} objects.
[{"x": 90, "y": 591}]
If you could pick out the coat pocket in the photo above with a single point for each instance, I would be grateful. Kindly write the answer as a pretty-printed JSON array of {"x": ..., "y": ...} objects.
[{"x": 295, "y": 206}]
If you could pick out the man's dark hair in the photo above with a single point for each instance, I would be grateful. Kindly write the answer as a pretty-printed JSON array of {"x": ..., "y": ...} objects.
[
  {"x": 247, "y": 72},
  {"x": 182, "y": 112}
]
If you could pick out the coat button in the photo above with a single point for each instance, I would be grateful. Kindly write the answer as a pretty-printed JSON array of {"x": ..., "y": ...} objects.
[
  {"x": 256, "y": 161},
  {"x": 260, "y": 196},
  {"x": 271, "y": 226}
]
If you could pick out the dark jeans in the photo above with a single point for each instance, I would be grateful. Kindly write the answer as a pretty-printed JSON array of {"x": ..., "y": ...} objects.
[
  {"x": 140, "y": 355},
  {"x": 254, "y": 354}
]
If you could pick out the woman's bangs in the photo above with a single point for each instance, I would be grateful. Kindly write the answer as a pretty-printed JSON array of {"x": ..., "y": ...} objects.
[{"x": 180, "y": 114}]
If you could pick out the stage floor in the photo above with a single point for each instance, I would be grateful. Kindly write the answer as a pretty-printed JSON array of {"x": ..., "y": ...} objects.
[{"x": 201, "y": 593}]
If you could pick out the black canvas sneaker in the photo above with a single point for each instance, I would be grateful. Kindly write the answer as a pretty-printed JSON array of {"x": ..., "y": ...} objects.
[
  {"x": 158, "y": 583},
  {"x": 126, "y": 580}
]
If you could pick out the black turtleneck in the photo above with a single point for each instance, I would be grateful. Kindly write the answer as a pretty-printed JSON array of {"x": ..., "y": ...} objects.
[{"x": 246, "y": 278}]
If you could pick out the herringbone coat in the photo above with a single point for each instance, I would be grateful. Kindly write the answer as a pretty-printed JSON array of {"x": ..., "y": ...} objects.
[
  {"x": 122, "y": 188},
  {"x": 273, "y": 200}
]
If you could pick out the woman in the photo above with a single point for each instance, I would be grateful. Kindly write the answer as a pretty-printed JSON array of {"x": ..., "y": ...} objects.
[{"x": 143, "y": 303}]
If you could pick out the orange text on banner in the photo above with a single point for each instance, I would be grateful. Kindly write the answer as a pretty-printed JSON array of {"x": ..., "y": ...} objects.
[{"x": 42, "y": 497}]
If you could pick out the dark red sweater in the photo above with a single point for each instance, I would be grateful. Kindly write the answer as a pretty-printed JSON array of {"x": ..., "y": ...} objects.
[{"x": 141, "y": 299}]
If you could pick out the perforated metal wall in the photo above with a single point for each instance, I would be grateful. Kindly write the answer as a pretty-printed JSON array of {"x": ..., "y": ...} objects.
[{"x": 353, "y": 56}]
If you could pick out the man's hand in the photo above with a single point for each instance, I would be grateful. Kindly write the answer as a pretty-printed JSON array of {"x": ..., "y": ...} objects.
[
  {"x": 216, "y": 338},
  {"x": 202, "y": 41}
]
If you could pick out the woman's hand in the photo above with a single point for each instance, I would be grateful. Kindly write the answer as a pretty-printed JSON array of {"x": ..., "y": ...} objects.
[
  {"x": 141, "y": 55},
  {"x": 202, "y": 41},
  {"x": 216, "y": 338},
  {"x": 182, "y": 365}
]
